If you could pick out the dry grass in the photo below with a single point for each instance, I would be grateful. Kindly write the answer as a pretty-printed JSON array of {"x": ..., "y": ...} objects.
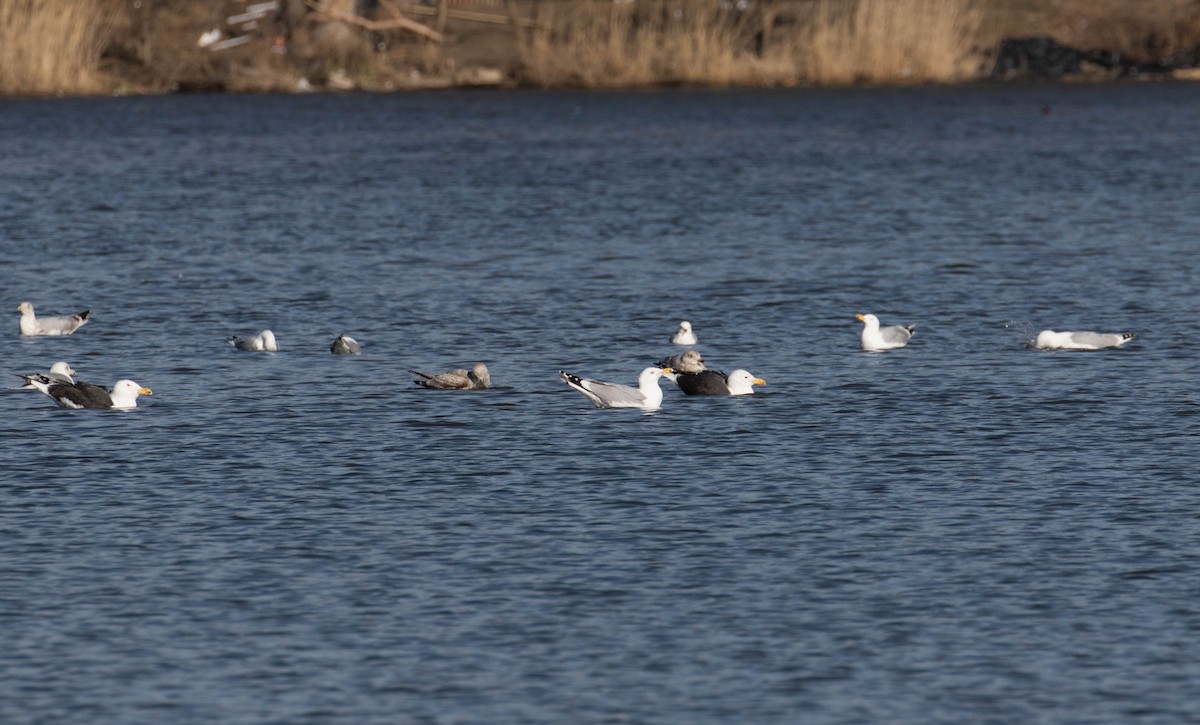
[
  {"x": 831, "y": 42},
  {"x": 52, "y": 46},
  {"x": 890, "y": 42}
]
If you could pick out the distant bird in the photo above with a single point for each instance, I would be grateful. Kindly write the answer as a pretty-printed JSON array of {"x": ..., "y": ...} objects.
[
  {"x": 262, "y": 342},
  {"x": 647, "y": 395},
  {"x": 60, "y": 372},
  {"x": 689, "y": 361},
  {"x": 684, "y": 335},
  {"x": 122, "y": 395},
  {"x": 345, "y": 345},
  {"x": 32, "y": 325},
  {"x": 477, "y": 378},
  {"x": 712, "y": 382},
  {"x": 1051, "y": 340},
  {"x": 875, "y": 338}
]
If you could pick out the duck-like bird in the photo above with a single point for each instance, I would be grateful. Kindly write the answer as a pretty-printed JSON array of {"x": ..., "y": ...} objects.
[
  {"x": 712, "y": 382},
  {"x": 477, "y": 378},
  {"x": 647, "y": 395},
  {"x": 262, "y": 342},
  {"x": 1051, "y": 340},
  {"x": 75, "y": 395},
  {"x": 32, "y": 325},
  {"x": 876, "y": 338}
]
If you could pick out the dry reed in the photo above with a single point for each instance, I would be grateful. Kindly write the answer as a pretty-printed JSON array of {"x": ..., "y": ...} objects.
[{"x": 51, "y": 46}]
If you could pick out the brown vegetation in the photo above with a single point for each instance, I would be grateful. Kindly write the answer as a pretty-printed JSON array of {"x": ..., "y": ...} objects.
[{"x": 100, "y": 46}]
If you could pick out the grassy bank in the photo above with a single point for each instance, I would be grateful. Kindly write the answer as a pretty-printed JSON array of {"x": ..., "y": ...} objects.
[{"x": 152, "y": 46}]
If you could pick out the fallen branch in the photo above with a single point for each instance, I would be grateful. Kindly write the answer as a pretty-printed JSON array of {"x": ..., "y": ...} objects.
[{"x": 378, "y": 25}]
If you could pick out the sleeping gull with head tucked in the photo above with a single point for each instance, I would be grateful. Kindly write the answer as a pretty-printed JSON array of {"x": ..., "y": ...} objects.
[
  {"x": 262, "y": 342},
  {"x": 875, "y": 338},
  {"x": 685, "y": 362},
  {"x": 647, "y": 395},
  {"x": 122, "y": 395},
  {"x": 477, "y": 378},
  {"x": 684, "y": 335},
  {"x": 712, "y": 382},
  {"x": 34, "y": 325},
  {"x": 1051, "y": 340},
  {"x": 345, "y": 345}
]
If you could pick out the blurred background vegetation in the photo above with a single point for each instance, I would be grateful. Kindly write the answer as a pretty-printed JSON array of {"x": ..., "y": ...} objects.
[{"x": 160, "y": 46}]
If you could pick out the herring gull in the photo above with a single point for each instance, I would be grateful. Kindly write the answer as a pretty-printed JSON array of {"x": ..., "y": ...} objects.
[
  {"x": 64, "y": 325},
  {"x": 1051, "y": 340},
  {"x": 122, "y": 395},
  {"x": 685, "y": 362},
  {"x": 712, "y": 382},
  {"x": 477, "y": 378},
  {"x": 875, "y": 338},
  {"x": 345, "y": 345},
  {"x": 647, "y": 395},
  {"x": 684, "y": 335},
  {"x": 262, "y": 342}
]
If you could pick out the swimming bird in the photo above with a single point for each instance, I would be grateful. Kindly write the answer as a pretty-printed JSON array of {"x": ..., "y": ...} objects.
[
  {"x": 65, "y": 325},
  {"x": 477, "y": 378},
  {"x": 262, "y": 342},
  {"x": 875, "y": 338},
  {"x": 345, "y": 345},
  {"x": 647, "y": 395},
  {"x": 684, "y": 335},
  {"x": 60, "y": 372},
  {"x": 689, "y": 361},
  {"x": 713, "y": 382},
  {"x": 1051, "y": 340},
  {"x": 122, "y": 395}
]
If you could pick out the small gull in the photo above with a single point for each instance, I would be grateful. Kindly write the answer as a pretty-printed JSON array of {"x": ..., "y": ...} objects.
[
  {"x": 262, "y": 342},
  {"x": 875, "y": 338},
  {"x": 684, "y": 335},
  {"x": 345, "y": 345},
  {"x": 65, "y": 325},
  {"x": 712, "y": 382},
  {"x": 60, "y": 372},
  {"x": 122, "y": 395},
  {"x": 1051, "y": 340},
  {"x": 647, "y": 395},
  {"x": 477, "y": 378}
]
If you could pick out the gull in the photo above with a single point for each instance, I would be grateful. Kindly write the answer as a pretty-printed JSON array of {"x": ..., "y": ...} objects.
[
  {"x": 684, "y": 335},
  {"x": 262, "y": 342},
  {"x": 647, "y": 395},
  {"x": 65, "y": 325},
  {"x": 345, "y": 345},
  {"x": 477, "y": 378},
  {"x": 122, "y": 395},
  {"x": 1051, "y": 340},
  {"x": 60, "y": 372},
  {"x": 685, "y": 362},
  {"x": 875, "y": 338},
  {"x": 712, "y": 382}
]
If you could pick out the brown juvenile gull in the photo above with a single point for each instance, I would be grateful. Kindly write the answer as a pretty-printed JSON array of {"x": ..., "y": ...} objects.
[
  {"x": 477, "y": 378},
  {"x": 1051, "y": 340},
  {"x": 262, "y": 342},
  {"x": 65, "y": 325},
  {"x": 875, "y": 338},
  {"x": 647, "y": 395},
  {"x": 122, "y": 395},
  {"x": 345, "y": 345},
  {"x": 712, "y": 382}
]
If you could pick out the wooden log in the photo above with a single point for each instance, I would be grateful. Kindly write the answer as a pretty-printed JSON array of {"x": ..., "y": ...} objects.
[
  {"x": 473, "y": 16},
  {"x": 400, "y": 23}
]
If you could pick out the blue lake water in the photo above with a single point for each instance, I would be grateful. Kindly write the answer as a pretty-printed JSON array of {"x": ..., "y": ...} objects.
[{"x": 964, "y": 530}]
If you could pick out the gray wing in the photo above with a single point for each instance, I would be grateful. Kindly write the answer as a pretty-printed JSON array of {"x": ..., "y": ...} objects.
[
  {"x": 62, "y": 325},
  {"x": 605, "y": 394},
  {"x": 245, "y": 343},
  {"x": 1097, "y": 339},
  {"x": 897, "y": 333}
]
